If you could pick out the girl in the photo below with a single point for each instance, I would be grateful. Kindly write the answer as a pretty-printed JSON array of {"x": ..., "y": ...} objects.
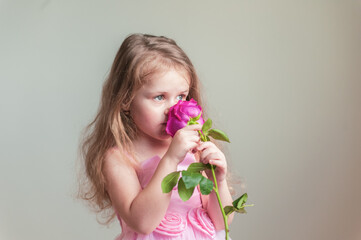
[{"x": 127, "y": 152}]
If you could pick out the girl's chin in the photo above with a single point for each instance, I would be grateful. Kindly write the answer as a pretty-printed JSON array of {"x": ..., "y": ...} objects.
[{"x": 166, "y": 136}]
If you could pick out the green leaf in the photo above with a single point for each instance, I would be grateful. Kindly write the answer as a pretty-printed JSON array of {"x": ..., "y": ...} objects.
[
  {"x": 170, "y": 181},
  {"x": 229, "y": 209},
  {"x": 191, "y": 179},
  {"x": 238, "y": 203},
  {"x": 196, "y": 118},
  {"x": 183, "y": 192},
  {"x": 206, "y": 186},
  {"x": 242, "y": 210},
  {"x": 198, "y": 166},
  {"x": 218, "y": 134},
  {"x": 208, "y": 139},
  {"x": 206, "y": 126},
  {"x": 190, "y": 122}
]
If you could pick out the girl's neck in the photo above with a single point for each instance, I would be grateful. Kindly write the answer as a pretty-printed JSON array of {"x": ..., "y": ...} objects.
[{"x": 146, "y": 148}]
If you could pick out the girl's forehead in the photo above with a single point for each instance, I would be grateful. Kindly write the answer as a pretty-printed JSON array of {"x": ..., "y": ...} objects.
[{"x": 168, "y": 76}]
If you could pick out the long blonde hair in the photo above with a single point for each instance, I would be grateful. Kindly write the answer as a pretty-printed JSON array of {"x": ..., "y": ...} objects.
[{"x": 139, "y": 56}]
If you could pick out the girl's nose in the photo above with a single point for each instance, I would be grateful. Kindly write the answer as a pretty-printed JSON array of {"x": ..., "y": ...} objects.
[{"x": 170, "y": 104}]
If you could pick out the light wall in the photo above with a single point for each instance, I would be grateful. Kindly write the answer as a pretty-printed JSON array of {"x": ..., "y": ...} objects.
[{"x": 282, "y": 78}]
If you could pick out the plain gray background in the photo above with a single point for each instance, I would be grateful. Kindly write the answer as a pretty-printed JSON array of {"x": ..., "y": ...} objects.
[{"x": 281, "y": 77}]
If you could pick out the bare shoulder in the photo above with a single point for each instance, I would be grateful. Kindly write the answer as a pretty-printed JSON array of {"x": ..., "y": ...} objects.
[
  {"x": 121, "y": 180},
  {"x": 116, "y": 165},
  {"x": 113, "y": 154},
  {"x": 114, "y": 157}
]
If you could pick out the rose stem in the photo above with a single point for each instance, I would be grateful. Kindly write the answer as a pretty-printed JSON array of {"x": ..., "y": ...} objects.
[
  {"x": 225, "y": 219},
  {"x": 203, "y": 139}
]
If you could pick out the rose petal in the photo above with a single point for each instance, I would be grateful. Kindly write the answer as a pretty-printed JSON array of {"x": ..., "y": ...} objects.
[
  {"x": 173, "y": 125},
  {"x": 180, "y": 114}
]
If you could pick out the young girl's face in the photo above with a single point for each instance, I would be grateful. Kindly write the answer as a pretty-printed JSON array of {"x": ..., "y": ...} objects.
[{"x": 152, "y": 101}]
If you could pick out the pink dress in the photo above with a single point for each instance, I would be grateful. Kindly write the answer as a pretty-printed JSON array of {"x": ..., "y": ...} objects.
[{"x": 183, "y": 220}]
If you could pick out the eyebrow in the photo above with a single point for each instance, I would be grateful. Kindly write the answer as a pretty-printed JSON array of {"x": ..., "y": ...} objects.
[{"x": 161, "y": 92}]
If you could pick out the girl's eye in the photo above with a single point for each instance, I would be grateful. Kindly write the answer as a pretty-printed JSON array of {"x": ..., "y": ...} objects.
[
  {"x": 159, "y": 98},
  {"x": 181, "y": 97}
]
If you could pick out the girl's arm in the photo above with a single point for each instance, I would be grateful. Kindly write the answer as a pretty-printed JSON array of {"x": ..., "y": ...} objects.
[
  {"x": 143, "y": 209},
  {"x": 210, "y": 153}
]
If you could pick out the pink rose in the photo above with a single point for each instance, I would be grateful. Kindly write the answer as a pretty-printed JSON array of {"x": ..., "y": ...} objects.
[{"x": 181, "y": 113}]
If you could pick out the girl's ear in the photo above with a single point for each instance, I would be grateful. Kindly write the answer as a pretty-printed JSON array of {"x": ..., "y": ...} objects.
[{"x": 125, "y": 107}]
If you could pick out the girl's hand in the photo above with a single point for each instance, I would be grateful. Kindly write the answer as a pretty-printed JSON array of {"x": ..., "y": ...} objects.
[
  {"x": 184, "y": 141},
  {"x": 211, "y": 154}
]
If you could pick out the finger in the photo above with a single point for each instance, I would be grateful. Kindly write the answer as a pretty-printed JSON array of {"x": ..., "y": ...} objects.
[
  {"x": 219, "y": 163},
  {"x": 186, "y": 133},
  {"x": 195, "y": 139},
  {"x": 212, "y": 156},
  {"x": 191, "y": 136},
  {"x": 221, "y": 169},
  {"x": 205, "y": 145},
  {"x": 195, "y": 127},
  {"x": 206, "y": 152},
  {"x": 192, "y": 147}
]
